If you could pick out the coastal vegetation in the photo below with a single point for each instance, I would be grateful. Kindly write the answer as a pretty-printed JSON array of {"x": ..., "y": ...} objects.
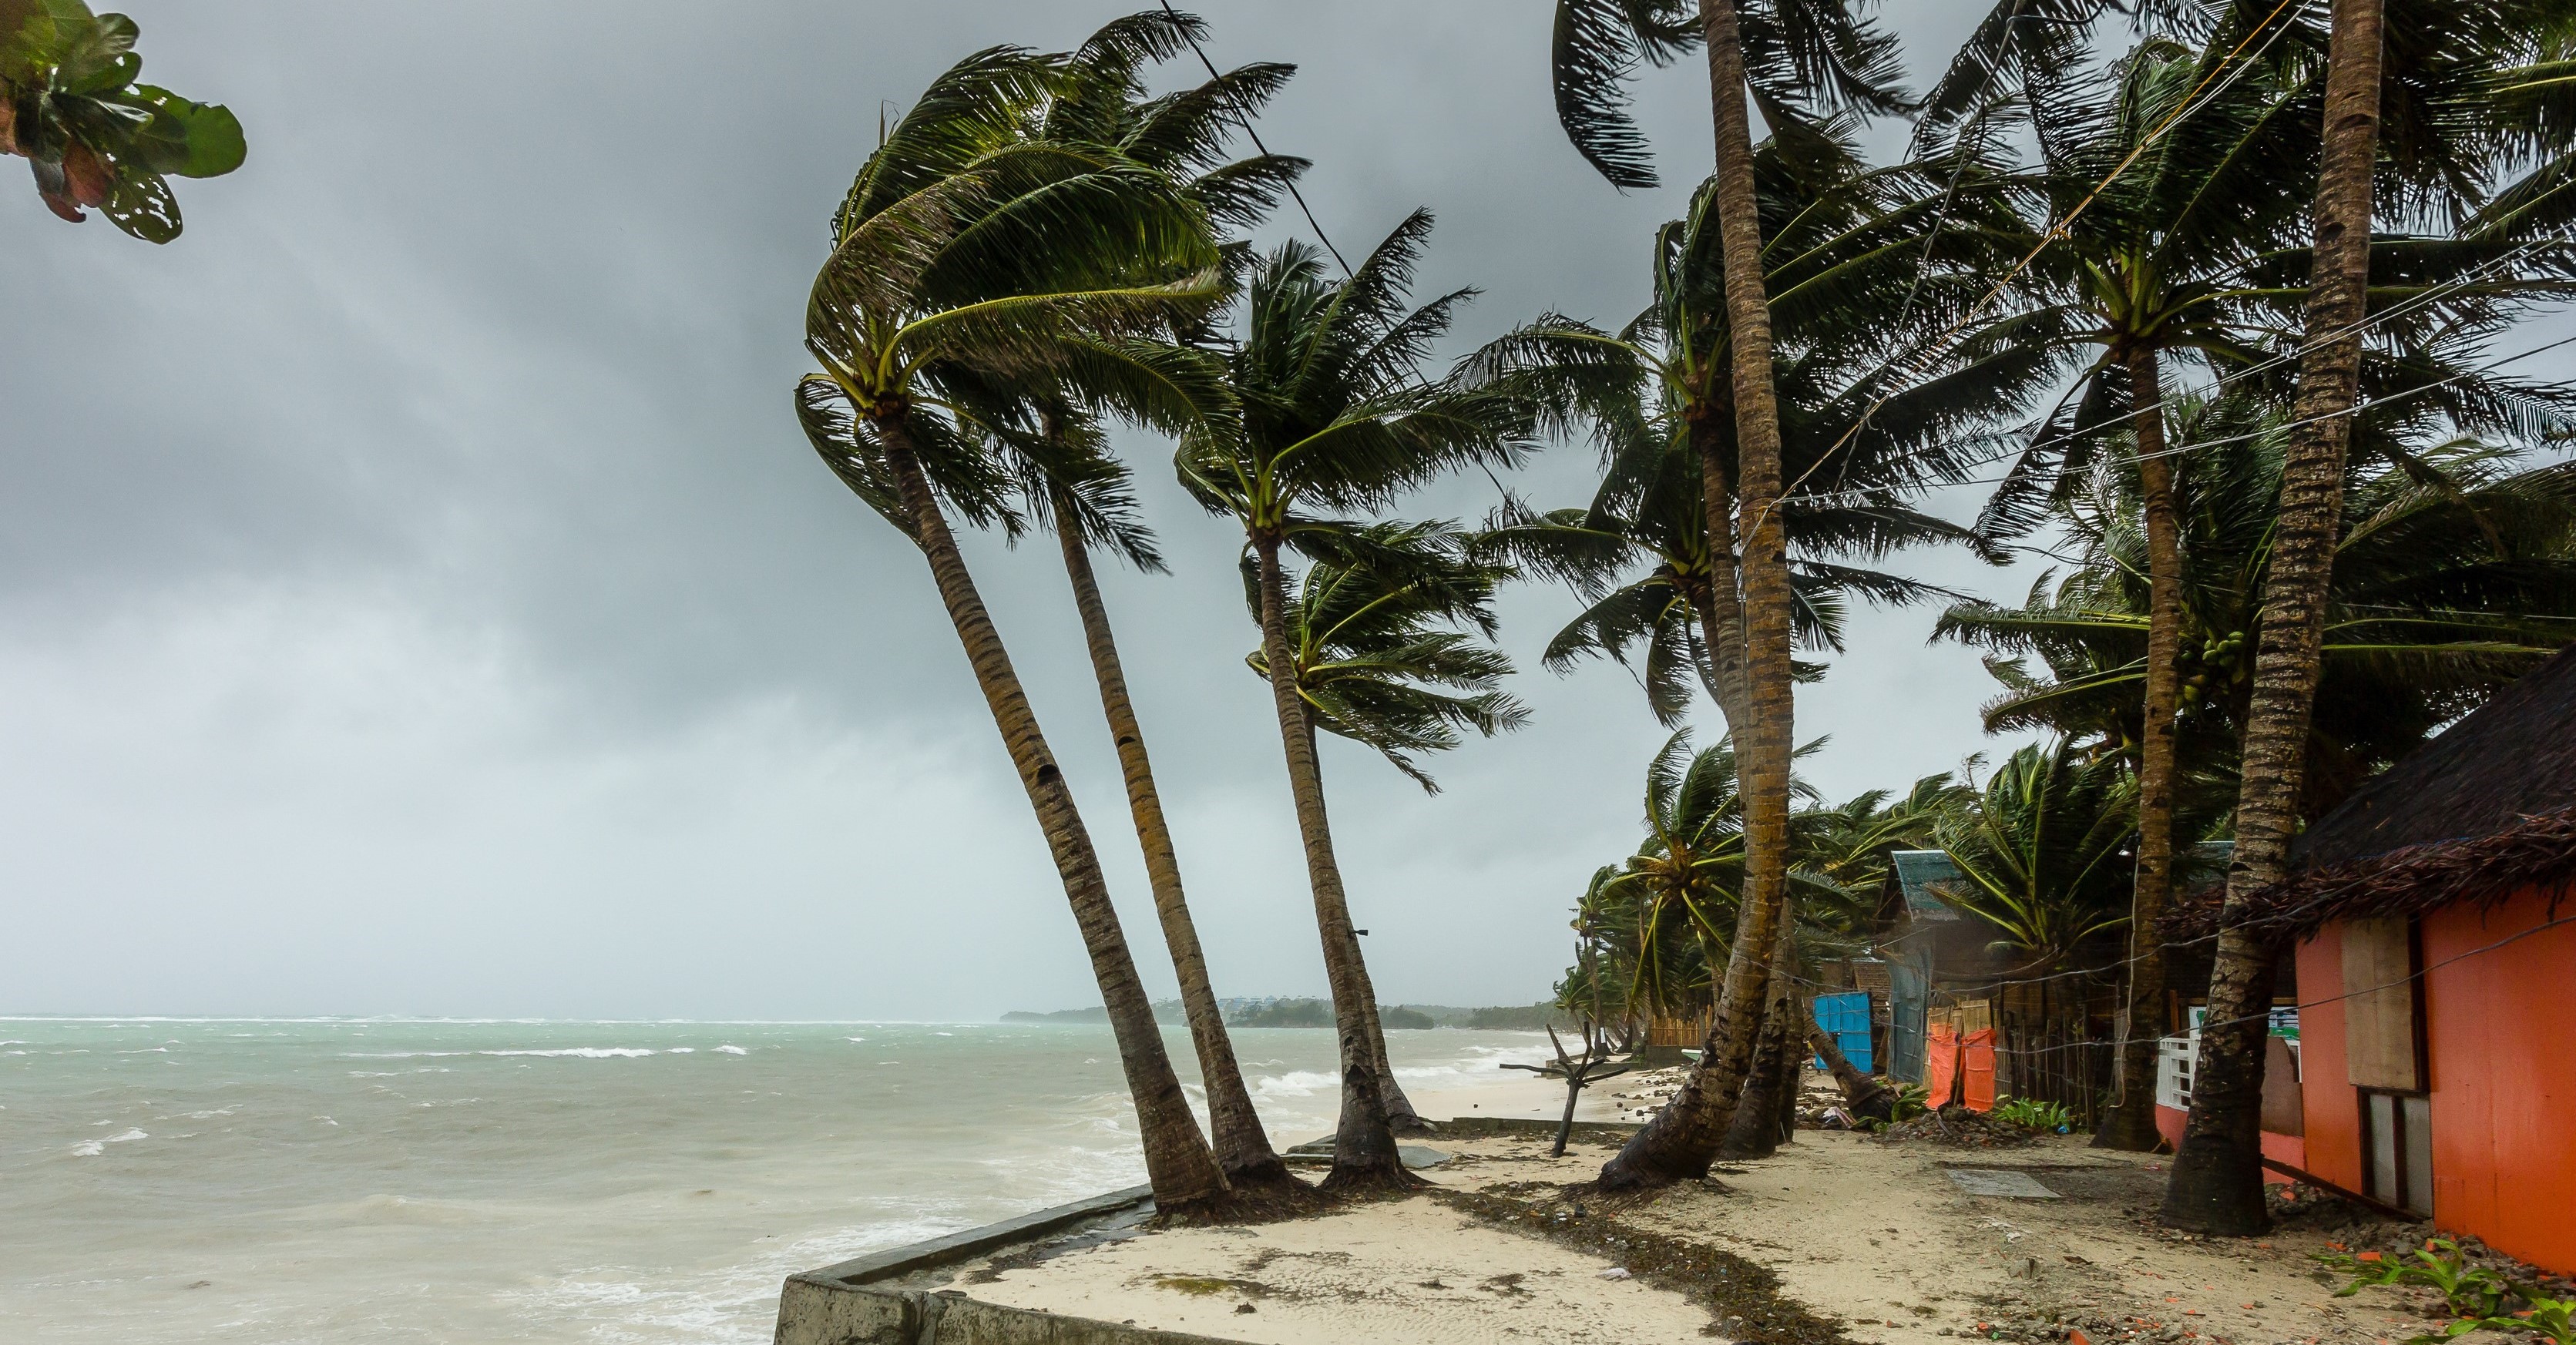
[
  {"x": 73, "y": 106},
  {"x": 2198, "y": 301}
]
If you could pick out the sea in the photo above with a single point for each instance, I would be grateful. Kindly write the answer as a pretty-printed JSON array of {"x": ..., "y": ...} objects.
[{"x": 367, "y": 1180}]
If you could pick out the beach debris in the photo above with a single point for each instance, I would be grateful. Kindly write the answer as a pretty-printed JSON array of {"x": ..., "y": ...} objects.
[{"x": 1616, "y": 1273}]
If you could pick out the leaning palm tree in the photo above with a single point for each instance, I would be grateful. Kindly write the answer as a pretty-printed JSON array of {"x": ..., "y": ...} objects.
[
  {"x": 1336, "y": 420},
  {"x": 2173, "y": 188},
  {"x": 1378, "y": 659},
  {"x": 97, "y": 139},
  {"x": 966, "y": 255},
  {"x": 1074, "y": 484},
  {"x": 2217, "y": 1182},
  {"x": 1854, "y": 310}
]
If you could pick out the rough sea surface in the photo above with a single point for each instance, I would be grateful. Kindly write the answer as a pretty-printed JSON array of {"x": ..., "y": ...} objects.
[{"x": 288, "y": 1181}]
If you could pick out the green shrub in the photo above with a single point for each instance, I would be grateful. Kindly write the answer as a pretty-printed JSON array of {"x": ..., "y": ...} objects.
[
  {"x": 2479, "y": 1298},
  {"x": 2022, "y": 1111}
]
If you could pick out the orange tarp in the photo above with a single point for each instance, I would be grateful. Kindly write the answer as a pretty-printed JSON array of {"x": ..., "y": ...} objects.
[
  {"x": 1977, "y": 1062},
  {"x": 1949, "y": 1059},
  {"x": 1940, "y": 1064}
]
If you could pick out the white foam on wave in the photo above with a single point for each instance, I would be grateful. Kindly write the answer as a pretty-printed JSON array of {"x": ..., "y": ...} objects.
[
  {"x": 93, "y": 1148},
  {"x": 1297, "y": 1083},
  {"x": 732, "y": 1050}
]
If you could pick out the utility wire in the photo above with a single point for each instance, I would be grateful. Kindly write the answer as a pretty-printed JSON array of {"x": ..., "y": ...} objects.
[
  {"x": 1862, "y": 494},
  {"x": 2192, "y": 102},
  {"x": 2430, "y": 294},
  {"x": 1246, "y": 123}
]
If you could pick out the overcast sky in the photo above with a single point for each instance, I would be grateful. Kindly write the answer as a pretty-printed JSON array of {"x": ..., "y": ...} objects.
[{"x": 416, "y": 597}]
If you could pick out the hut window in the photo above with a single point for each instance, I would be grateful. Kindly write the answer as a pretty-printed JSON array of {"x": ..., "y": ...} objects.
[
  {"x": 2382, "y": 1010},
  {"x": 2397, "y": 1133}
]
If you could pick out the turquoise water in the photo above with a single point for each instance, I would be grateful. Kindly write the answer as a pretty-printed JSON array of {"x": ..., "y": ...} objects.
[{"x": 290, "y": 1181}]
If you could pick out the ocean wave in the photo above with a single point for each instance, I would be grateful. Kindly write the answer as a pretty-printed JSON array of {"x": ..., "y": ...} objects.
[
  {"x": 732, "y": 1050},
  {"x": 1299, "y": 1083},
  {"x": 93, "y": 1148}
]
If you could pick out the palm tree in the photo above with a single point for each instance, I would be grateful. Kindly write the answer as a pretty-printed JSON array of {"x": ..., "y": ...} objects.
[
  {"x": 97, "y": 139},
  {"x": 1085, "y": 510},
  {"x": 2455, "y": 574},
  {"x": 2388, "y": 106},
  {"x": 1815, "y": 52},
  {"x": 1076, "y": 485},
  {"x": 2156, "y": 262},
  {"x": 2043, "y": 852},
  {"x": 1846, "y": 244},
  {"x": 1336, "y": 419},
  {"x": 967, "y": 255},
  {"x": 1376, "y": 659},
  {"x": 2174, "y": 189},
  {"x": 1674, "y": 901}
]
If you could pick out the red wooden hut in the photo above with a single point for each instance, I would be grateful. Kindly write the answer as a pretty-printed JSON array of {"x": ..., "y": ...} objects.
[{"x": 2435, "y": 949}]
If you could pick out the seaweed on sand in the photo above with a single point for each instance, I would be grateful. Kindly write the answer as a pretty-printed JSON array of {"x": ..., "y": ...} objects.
[{"x": 1743, "y": 1297}]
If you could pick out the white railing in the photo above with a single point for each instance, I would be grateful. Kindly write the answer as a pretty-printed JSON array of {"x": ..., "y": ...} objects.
[{"x": 2176, "y": 1058}]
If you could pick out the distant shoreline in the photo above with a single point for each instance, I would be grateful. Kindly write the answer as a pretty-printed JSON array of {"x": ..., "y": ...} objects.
[{"x": 1318, "y": 1013}]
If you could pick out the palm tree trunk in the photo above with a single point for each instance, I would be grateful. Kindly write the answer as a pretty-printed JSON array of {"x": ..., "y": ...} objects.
[
  {"x": 2217, "y": 1183},
  {"x": 2131, "y": 1125},
  {"x": 1721, "y": 613},
  {"x": 1400, "y": 1115},
  {"x": 1178, "y": 1161},
  {"x": 1864, "y": 1097},
  {"x": 1756, "y": 1132},
  {"x": 1679, "y": 1142},
  {"x": 1364, "y": 1152},
  {"x": 1242, "y": 1147}
]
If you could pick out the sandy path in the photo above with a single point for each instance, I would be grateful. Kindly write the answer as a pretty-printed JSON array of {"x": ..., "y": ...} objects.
[{"x": 1879, "y": 1236}]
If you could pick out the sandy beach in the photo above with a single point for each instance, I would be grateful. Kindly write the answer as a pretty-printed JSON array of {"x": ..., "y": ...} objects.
[{"x": 1873, "y": 1243}]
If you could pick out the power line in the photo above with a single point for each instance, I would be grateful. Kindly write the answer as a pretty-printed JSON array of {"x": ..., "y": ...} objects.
[
  {"x": 1862, "y": 494},
  {"x": 2429, "y": 295},
  {"x": 2192, "y": 102},
  {"x": 1246, "y": 123}
]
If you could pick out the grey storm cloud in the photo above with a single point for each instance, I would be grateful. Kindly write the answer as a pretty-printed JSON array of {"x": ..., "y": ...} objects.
[{"x": 415, "y": 596}]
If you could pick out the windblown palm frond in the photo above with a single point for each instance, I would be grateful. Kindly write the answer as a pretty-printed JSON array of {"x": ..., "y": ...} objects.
[
  {"x": 2043, "y": 852},
  {"x": 1379, "y": 656}
]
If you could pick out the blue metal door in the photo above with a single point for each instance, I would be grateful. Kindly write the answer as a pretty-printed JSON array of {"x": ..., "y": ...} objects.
[{"x": 1847, "y": 1018}]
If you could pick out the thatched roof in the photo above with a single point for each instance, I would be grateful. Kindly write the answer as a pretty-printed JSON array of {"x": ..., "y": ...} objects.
[
  {"x": 2511, "y": 758},
  {"x": 2484, "y": 811}
]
